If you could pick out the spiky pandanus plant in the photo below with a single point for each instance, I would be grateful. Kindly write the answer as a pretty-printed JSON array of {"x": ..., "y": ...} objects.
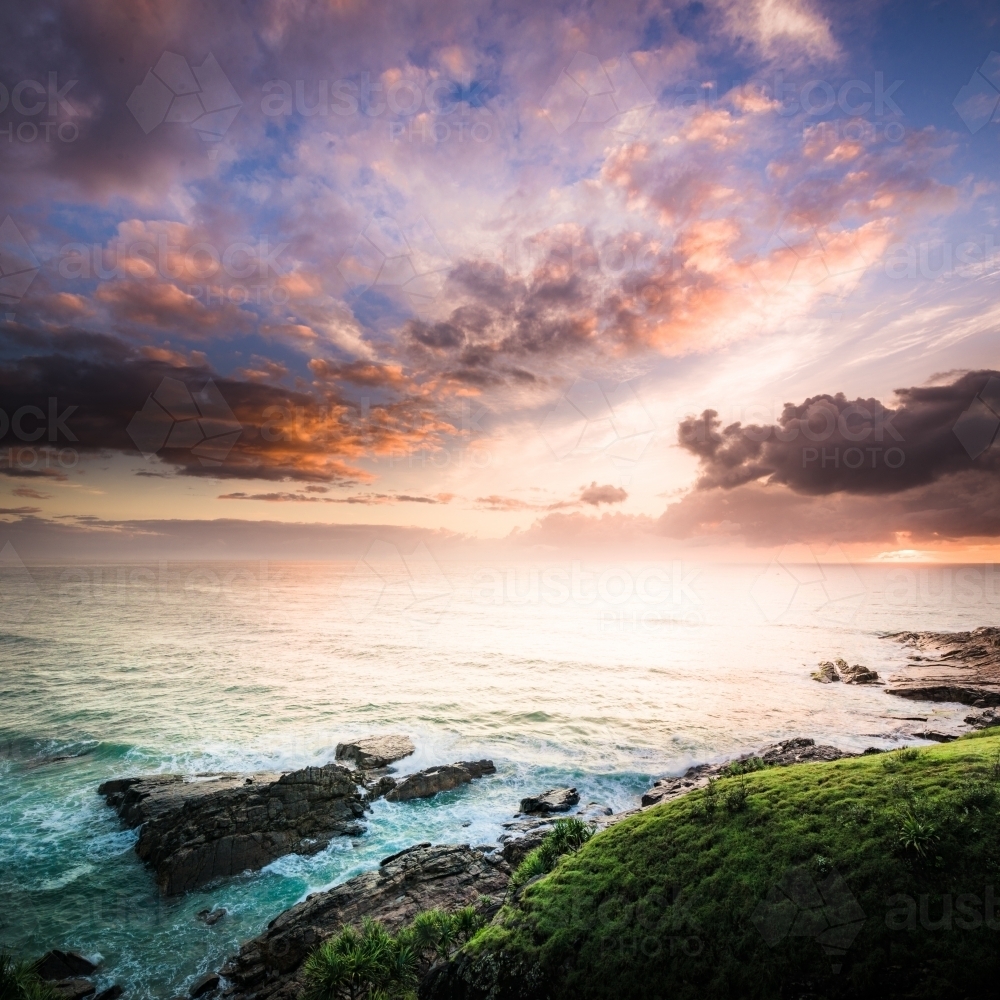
[
  {"x": 20, "y": 981},
  {"x": 371, "y": 965}
]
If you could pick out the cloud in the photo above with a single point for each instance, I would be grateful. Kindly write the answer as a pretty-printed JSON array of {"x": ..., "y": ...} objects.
[
  {"x": 31, "y": 494},
  {"x": 596, "y": 495},
  {"x": 367, "y": 499},
  {"x": 285, "y": 434},
  {"x": 834, "y": 468}
]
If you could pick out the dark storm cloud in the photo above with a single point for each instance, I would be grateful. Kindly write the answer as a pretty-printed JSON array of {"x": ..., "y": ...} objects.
[
  {"x": 769, "y": 483},
  {"x": 82, "y": 390},
  {"x": 829, "y": 443}
]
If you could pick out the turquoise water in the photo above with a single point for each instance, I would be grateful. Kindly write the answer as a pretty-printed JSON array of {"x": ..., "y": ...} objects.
[{"x": 603, "y": 677}]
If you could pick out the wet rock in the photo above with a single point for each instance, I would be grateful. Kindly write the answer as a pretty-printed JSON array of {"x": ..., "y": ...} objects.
[
  {"x": 983, "y": 720},
  {"x": 376, "y": 751},
  {"x": 553, "y": 800},
  {"x": 936, "y": 737},
  {"x": 55, "y": 964},
  {"x": 841, "y": 670},
  {"x": 379, "y": 787},
  {"x": 204, "y": 984},
  {"x": 74, "y": 989},
  {"x": 193, "y": 831},
  {"x": 521, "y": 837},
  {"x": 212, "y": 917},
  {"x": 827, "y": 673},
  {"x": 800, "y": 750},
  {"x": 963, "y": 667},
  {"x": 419, "y": 878},
  {"x": 111, "y": 993},
  {"x": 429, "y": 782},
  {"x": 594, "y": 811},
  {"x": 858, "y": 674}
]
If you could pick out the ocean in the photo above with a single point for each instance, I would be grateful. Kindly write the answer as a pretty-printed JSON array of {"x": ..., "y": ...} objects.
[{"x": 598, "y": 675}]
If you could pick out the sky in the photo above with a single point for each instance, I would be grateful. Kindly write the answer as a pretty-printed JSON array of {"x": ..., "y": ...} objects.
[{"x": 715, "y": 277}]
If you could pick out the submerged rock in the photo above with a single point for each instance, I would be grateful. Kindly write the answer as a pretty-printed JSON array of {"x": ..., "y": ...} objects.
[
  {"x": 553, "y": 800},
  {"x": 800, "y": 750},
  {"x": 376, "y": 751},
  {"x": 56, "y": 964},
  {"x": 212, "y": 917},
  {"x": 193, "y": 831},
  {"x": 426, "y": 783},
  {"x": 420, "y": 878}
]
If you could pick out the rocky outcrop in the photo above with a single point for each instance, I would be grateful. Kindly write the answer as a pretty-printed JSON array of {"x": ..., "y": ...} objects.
[
  {"x": 553, "y": 800},
  {"x": 74, "y": 989},
  {"x": 405, "y": 884},
  {"x": 840, "y": 670},
  {"x": 195, "y": 830},
  {"x": 56, "y": 965},
  {"x": 983, "y": 720},
  {"x": 374, "y": 752},
  {"x": 951, "y": 666},
  {"x": 204, "y": 984},
  {"x": 429, "y": 782},
  {"x": 521, "y": 836},
  {"x": 800, "y": 750}
]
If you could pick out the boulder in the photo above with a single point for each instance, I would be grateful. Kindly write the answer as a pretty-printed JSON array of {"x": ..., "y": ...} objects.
[
  {"x": 376, "y": 751},
  {"x": 204, "y": 984},
  {"x": 553, "y": 800},
  {"x": 55, "y": 965},
  {"x": 420, "y": 878},
  {"x": 193, "y": 831},
  {"x": 841, "y": 670},
  {"x": 983, "y": 720},
  {"x": 827, "y": 673},
  {"x": 429, "y": 782},
  {"x": 379, "y": 787},
  {"x": 74, "y": 989},
  {"x": 212, "y": 917}
]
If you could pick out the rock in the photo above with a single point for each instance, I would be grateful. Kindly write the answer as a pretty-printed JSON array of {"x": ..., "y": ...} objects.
[
  {"x": 857, "y": 674},
  {"x": 376, "y": 751},
  {"x": 871, "y": 751},
  {"x": 800, "y": 750},
  {"x": 195, "y": 831},
  {"x": 963, "y": 667},
  {"x": 74, "y": 989},
  {"x": 827, "y": 673},
  {"x": 930, "y": 734},
  {"x": 212, "y": 917},
  {"x": 204, "y": 984},
  {"x": 521, "y": 837},
  {"x": 380, "y": 786},
  {"x": 111, "y": 993},
  {"x": 429, "y": 782},
  {"x": 595, "y": 811},
  {"x": 553, "y": 800},
  {"x": 447, "y": 876},
  {"x": 840, "y": 670},
  {"x": 983, "y": 720},
  {"x": 57, "y": 964}
]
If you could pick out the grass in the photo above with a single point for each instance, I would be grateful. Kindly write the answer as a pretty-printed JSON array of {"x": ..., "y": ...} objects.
[
  {"x": 20, "y": 981},
  {"x": 819, "y": 880},
  {"x": 567, "y": 836}
]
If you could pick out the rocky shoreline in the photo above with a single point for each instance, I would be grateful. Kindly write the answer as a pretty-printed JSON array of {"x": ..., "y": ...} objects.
[{"x": 196, "y": 829}]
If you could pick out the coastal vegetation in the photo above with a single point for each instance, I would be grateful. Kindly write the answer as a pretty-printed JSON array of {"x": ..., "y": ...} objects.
[{"x": 866, "y": 876}]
